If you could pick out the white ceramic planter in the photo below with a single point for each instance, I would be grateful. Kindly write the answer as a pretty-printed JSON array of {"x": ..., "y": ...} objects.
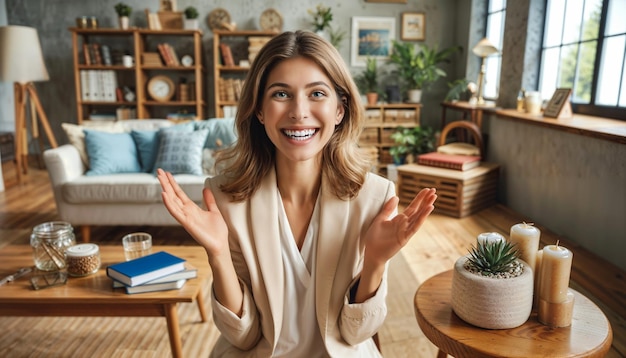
[
  {"x": 190, "y": 24},
  {"x": 124, "y": 22},
  {"x": 414, "y": 96},
  {"x": 489, "y": 302}
]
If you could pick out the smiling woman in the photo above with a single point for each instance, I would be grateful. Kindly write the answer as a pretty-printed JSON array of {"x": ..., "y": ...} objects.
[{"x": 293, "y": 274}]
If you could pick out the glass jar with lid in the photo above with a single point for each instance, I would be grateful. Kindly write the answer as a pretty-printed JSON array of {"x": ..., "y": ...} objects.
[
  {"x": 49, "y": 242},
  {"x": 82, "y": 259}
]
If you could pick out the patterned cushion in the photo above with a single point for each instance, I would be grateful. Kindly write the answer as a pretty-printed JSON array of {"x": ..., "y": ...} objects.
[{"x": 180, "y": 152}]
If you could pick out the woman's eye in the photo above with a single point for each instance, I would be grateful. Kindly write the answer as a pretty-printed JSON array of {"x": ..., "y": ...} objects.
[
  {"x": 318, "y": 94},
  {"x": 280, "y": 94}
]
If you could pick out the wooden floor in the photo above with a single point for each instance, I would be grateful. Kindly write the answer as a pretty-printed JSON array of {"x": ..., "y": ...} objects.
[{"x": 434, "y": 249}]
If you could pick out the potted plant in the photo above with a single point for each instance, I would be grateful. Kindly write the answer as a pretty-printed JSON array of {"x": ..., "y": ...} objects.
[
  {"x": 191, "y": 18},
  {"x": 322, "y": 16},
  {"x": 491, "y": 287},
  {"x": 418, "y": 68},
  {"x": 123, "y": 12},
  {"x": 410, "y": 142},
  {"x": 367, "y": 81}
]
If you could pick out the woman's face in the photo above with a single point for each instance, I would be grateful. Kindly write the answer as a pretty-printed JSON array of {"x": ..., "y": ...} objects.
[{"x": 300, "y": 109}]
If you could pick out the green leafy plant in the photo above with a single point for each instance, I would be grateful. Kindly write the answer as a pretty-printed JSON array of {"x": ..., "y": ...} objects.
[
  {"x": 322, "y": 16},
  {"x": 456, "y": 89},
  {"x": 123, "y": 10},
  {"x": 191, "y": 12},
  {"x": 367, "y": 81},
  {"x": 493, "y": 257},
  {"x": 419, "y": 67},
  {"x": 411, "y": 141},
  {"x": 336, "y": 36}
]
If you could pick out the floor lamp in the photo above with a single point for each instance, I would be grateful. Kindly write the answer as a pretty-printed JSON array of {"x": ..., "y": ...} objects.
[
  {"x": 483, "y": 49},
  {"x": 21, "y": 62}
]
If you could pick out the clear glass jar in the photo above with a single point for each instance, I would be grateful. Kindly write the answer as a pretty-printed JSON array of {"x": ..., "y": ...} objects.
[
  {"x": 82, "y": 259},
  {"x": 49, "y": 242}
]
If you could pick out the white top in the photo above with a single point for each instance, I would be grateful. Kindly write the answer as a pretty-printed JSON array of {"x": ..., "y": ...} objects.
[{"x": 299, "y": 335}]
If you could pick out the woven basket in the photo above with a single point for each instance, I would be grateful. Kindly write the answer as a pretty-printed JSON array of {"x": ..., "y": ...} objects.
[{"x": 489, "y": 302}]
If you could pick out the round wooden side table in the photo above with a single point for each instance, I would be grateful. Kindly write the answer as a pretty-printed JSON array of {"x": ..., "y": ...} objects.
[{"x": 590, "y": 334}]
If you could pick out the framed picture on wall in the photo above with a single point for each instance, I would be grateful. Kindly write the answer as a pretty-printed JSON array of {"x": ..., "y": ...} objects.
[
  {"x": 371, "y": 37},
  {"x": 413, "y": 26}
]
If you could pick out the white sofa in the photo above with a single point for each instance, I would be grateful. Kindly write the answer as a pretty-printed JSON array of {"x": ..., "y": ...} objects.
[{"x": 122, "y": 198}]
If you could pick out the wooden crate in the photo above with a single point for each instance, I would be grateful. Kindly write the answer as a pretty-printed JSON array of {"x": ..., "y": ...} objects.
[
  {"x": 369, "y": 136},
  {"x": 459, "y": 193}
]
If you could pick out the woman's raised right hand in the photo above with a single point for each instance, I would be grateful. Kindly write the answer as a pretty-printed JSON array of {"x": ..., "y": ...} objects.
[{"x": 207, "y": 227}]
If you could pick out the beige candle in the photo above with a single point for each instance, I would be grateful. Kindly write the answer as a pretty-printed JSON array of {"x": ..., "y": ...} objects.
[
  {"x": 556, "y": 266},
  {"x": 489, "y": 237},
  {"x": 537, "y": 283},
  {"x": 526, "y": 239},
  {"x": 557, "y": 314}
]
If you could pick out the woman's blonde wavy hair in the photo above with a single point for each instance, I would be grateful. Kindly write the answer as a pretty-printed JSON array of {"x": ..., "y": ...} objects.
[{"x": 344, "y": 165}]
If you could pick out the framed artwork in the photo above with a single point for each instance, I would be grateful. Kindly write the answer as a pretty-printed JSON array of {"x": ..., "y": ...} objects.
[
  {"x": 371, "y": 37},
  {"x": 559, "y": 105},
  {"x": 413, "y": 26}
]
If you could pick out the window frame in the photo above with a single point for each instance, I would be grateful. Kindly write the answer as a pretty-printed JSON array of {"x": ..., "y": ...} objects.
[{"x": 591, "y": 108}]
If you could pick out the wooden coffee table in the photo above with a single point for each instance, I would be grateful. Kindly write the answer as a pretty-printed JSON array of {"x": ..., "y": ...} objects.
[
  {"x": 590, "y": 334},
  {"x": 94, "y": 295}
]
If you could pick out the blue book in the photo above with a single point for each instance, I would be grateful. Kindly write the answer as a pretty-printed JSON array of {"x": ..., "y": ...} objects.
[{"x": 147, "y": 268}]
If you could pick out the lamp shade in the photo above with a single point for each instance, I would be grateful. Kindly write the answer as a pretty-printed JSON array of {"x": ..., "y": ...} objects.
[
  {"x": 21, "y": 59},
  {"x": 484, "y": 48}
]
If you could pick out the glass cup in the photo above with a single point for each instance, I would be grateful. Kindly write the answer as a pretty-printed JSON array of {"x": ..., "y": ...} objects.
[{"x": 137, "y": 244}]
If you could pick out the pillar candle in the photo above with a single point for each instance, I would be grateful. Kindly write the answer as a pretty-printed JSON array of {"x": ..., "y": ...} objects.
[
  {"x": 556, "y": 266},
  {"x": 557, "y": 314},
  {"x": 537, "y": 283},
  {"x": 489, "y": 237},
  {"x": 526, "y": 239}
]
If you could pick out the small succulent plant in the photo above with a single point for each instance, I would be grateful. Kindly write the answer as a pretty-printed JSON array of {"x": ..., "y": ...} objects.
[{"x": 494, "y": 258}]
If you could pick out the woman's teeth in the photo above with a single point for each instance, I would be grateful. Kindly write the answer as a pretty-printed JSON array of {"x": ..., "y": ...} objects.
[{"x": 302, "y": 134}]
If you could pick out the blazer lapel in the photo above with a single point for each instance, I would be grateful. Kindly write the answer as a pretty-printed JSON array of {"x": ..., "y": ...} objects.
[
  {"x": 333, "y": 224},
  {"x": 266, "y": 237}
]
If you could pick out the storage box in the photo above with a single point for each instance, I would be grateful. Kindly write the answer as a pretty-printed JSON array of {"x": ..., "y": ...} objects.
[
  {"x": 400, "y": 116},
  {"x": 459, "y": 193},
  {"x": 369, "y": 136}
]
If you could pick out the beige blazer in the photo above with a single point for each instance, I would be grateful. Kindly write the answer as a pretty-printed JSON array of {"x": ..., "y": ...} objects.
[{"x": 255, "y": 246}]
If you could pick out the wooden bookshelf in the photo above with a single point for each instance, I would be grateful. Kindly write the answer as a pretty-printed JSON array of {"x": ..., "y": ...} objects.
[
  {"x": 136, "y": 43},
  {"x": 229, "y": 78}
]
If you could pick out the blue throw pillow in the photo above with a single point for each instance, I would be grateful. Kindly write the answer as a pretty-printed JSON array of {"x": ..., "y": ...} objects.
[
  {"x": 221, "y": 131},
  {"x": 147, "y": 143},
  {"x": 110, "y": 153},
  {"x": 180, "y": 152}
]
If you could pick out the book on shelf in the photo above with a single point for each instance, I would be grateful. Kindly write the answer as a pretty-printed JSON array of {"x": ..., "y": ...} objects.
[
  {"x": 227, "y": 55},
  {"x": 449, "y": 161},
  {"x": 173, "y": 55},
  {"x": 144, "y": 269}
]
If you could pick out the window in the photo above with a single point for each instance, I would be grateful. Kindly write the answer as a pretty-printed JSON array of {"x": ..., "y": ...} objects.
[
  {"x": 495, "y": 29},
  {"x": 584, "y": 48}
]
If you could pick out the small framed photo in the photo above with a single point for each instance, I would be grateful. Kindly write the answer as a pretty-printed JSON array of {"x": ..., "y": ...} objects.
[
  {"x": 371, "y": 37},
  {"x": 559, "y": 105},
  {"x": 413, "y": 26}
]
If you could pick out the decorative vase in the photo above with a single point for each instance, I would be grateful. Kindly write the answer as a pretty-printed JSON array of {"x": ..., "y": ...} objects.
[
  {"x": 492, "y": 303},
  {"x": 190, "y": 24},
  {"x": 414, "y": 95},
  {"x": 124, "y": 22},
  {"x": 372, "y": 98}
]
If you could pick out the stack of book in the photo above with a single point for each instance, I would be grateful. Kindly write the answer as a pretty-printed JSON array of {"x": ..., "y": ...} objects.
[
  {"x": 449, "y": 161},
  {"x": 160, "y": 271}
]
